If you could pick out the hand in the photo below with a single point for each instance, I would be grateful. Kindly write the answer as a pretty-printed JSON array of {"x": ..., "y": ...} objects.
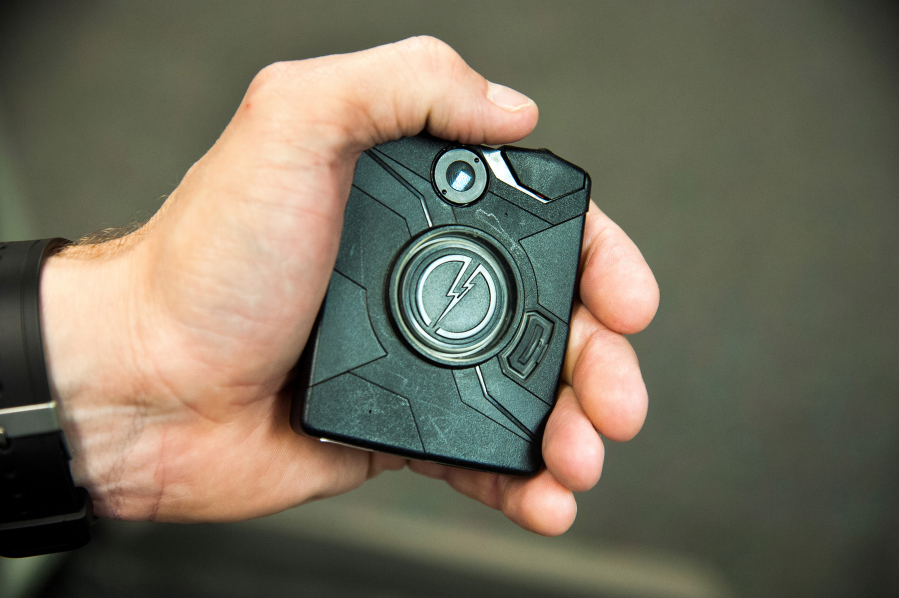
[{"x": 170, "y": 349}]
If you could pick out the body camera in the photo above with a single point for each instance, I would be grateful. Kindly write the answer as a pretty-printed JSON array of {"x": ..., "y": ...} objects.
[{"x": 444, "y": 328}]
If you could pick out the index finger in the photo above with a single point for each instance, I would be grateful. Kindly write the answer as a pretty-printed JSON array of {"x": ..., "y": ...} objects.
[{"x": 617, "y": 285}]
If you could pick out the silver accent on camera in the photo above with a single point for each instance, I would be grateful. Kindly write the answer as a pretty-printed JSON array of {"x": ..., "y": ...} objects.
[{"x": 497, "y": 163}]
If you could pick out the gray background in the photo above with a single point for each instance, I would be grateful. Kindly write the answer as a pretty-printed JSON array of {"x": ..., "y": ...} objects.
[{"x": 750, "y": 149}]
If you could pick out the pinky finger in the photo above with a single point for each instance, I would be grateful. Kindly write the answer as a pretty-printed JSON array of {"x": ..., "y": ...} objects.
[{"x": 539, "y": 504}]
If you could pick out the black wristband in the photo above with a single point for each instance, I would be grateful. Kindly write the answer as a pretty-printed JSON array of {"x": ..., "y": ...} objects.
[{"x": 41, "y": 510}]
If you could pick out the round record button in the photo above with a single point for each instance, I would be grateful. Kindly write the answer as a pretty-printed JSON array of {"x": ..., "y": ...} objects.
[{"x": 453, "y": 295}]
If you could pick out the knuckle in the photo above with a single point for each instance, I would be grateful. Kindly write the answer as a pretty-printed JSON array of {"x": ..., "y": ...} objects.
[
  {"x": 268, "y": 74},
  {"x": 428, "y": 51},
  {"x": 268, "y": 79}
]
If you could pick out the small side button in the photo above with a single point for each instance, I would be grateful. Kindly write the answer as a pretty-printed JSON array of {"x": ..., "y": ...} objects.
[{"x": 526, "y": 354}]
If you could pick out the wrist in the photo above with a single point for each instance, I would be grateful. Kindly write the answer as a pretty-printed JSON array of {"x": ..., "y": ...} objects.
[{"x": 94, "y": 374}]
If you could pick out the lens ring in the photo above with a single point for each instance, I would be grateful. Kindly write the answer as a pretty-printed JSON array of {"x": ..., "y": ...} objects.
[{"x": 460, "y": 184}]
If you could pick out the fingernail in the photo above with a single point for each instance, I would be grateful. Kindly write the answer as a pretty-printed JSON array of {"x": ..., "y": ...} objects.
[{"x": 507, "y": 98}]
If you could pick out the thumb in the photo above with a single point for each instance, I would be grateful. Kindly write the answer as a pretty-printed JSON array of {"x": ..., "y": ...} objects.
[{"x": 359, "y": 100}]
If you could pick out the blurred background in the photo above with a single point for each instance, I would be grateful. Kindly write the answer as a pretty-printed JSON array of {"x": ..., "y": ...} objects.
[{"x": 751, "y": 150}]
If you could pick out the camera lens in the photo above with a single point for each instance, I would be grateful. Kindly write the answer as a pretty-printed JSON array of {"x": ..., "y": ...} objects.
[{"x": 460, "y": 176}]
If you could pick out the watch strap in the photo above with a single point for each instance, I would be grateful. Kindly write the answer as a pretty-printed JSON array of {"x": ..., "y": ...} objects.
[{"x": 41, "y": 510}]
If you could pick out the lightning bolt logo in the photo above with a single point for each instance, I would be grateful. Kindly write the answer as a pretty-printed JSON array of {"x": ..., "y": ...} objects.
[{"x": 455, "y": 295}]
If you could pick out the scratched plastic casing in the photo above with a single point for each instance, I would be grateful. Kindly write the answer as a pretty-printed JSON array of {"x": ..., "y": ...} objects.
[{"x": 444, "y": 328}]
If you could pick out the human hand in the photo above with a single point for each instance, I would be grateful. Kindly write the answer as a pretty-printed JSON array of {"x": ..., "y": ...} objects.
[{"x": 171, "y": 349}]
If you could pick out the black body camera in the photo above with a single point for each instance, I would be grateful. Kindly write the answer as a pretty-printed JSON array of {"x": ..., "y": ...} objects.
[{"x": 444, "y": 328}]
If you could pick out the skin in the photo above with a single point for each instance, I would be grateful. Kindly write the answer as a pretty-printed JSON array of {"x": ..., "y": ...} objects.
[{"x": 171, "y": 349}]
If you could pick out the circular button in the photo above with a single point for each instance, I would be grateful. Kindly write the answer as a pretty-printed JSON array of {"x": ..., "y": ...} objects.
[
  {"x": 460, "y": 176},
  {"x": 453, "y": 295}
]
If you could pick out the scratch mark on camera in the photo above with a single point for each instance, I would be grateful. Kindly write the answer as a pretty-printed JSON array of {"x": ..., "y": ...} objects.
[{"x": 490, "y": 219}]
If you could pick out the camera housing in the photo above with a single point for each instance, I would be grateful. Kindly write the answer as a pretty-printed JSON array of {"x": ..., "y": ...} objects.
[{"x": 444, "y": 328}]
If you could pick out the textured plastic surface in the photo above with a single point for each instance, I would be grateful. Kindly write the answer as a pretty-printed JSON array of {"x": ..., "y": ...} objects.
[{"x": 444, "y": 328}]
